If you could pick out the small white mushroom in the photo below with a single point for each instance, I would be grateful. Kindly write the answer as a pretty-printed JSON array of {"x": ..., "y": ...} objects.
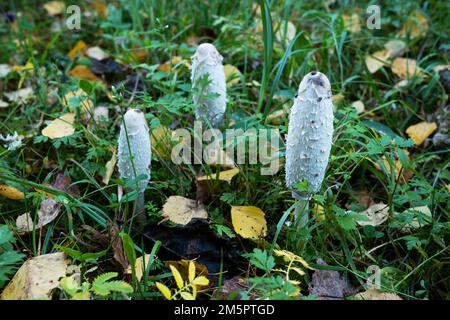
[
  {"x": 309, "y": 137},
  {"x": 134, "y": 156},
  {"x": 208, "y": 61}
]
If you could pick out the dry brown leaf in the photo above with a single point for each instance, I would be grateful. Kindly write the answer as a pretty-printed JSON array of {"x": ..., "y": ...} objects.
[
  {"x": 83, "y": 73},
  {"x": 249, "y": 221},
  {"x": 420, "y": 131},
  {"x": 61, "y": 127},
  {"x": 36, "y": 278},
  {"x": 376, "y": 213},
  {"x": 374, "y": 294},
  {"x": 397, "y": 168},
  {"x": 416, "y": 26},
  {"x": 181, "y": 210},
  {"x": 80, "y": 47},
  {"x": 55, "y": 8},
  {"x": 11, "y": 192},
  {"x": 377, "y": 60},
  {"x": 226, "y": 175},
  {"x": 405, "y": 68}
]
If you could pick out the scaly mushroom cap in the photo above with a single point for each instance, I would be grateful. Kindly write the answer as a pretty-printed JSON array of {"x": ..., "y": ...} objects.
[
  {"x": 310, "y": 132},
  {"x": 207, "y": 60},
  {"x": 139, "y": 149}
]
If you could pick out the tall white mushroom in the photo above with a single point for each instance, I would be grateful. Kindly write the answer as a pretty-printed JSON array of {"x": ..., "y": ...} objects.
[
  {"x": 134, "y": 156},
  {"x": 208, "y": 61},
  {"x": 309, "y": 138}
]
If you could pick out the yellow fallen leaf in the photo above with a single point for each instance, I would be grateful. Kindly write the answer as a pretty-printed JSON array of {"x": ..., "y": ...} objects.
[
  {"x": 80, "y": 47},
  {"x": 249, "y": 221},
  {"x": 11, "y": 192},
  {"x": 110, "y": 165},
  {"x": 161, "y": 141},
  {"x": 319, "y": 212},
  {"x": 416, "y": 26},
  {"x": 36, "y": 278},
  {"x": 337, "y": 98},
  {"x": 420, "y": 131},
  {"x": 86, "y": 104},
  {"x": 83, "y": 73},
  {"x": 285, "y": 35},
  {"x": 352, "y": 23},
  {"x": 376, "y": 214},
  {"x": 232, "y": 74},
  {"x": 61, "y": 127},
  {"x": 54, "y": 8},
  {"x": 377, "y": 60},
  {"x": 164, "y": 290},
  {"x": 415, "y": 223},
  {"x": 405, "y": 68},
  {"x": 375, "y": 294},
  {"x": 441, "y": 67},
  {"x": 181, "y": 210},
  {"x": 226, "y": 175},
  {"x": 101, "y": 8}
]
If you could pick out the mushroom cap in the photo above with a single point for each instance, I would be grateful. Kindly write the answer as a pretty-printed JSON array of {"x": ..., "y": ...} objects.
[{"x": 315, "y": 85}]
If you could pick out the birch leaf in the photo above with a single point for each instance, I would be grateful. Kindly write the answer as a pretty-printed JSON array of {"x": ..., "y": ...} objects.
[{"x": 232, "y": 75}]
